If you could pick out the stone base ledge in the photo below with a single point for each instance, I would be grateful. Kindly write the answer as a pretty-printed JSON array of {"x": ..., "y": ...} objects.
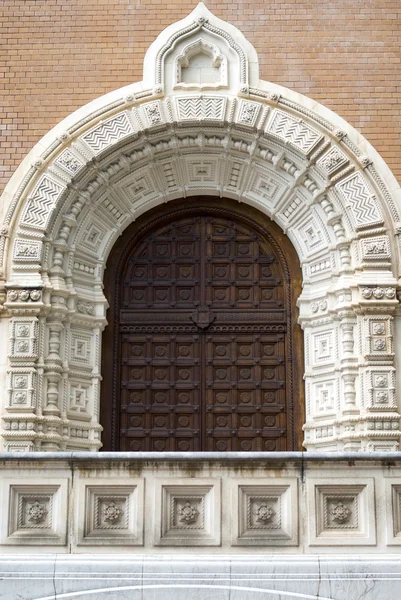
[
  {"x": 194, "y": 504},
  {"x": 114, "y": 577}
]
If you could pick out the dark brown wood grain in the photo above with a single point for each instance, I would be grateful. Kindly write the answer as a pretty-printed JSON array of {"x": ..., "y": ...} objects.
[{"x": 202, "y": 350}]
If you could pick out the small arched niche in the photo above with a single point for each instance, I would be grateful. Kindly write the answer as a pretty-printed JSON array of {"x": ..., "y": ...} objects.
[{"x": 200, "y": 65}]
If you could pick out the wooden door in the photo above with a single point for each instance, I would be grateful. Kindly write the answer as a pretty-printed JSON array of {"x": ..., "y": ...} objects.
[{"x": 203, "y": 345}]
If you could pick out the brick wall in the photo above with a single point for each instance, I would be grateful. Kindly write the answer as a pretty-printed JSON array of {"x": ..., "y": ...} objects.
[{"x": 56, "y": 55}]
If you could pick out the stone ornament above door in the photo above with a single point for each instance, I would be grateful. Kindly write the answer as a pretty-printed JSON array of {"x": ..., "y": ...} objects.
[{"x": 200, "y": 123}]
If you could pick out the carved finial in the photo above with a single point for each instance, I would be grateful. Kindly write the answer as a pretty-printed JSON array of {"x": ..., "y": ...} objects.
[
  {"x": 64, "y": 137},
  {"x": 339, "y": 133},
  {"x": 38, "y": 164},
  {"x": 365, "y": 161},
  {"x": 201, "y": 21}
]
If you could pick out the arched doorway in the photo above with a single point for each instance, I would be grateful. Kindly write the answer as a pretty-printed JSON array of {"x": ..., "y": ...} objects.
[{"x": 202, "y": 351}]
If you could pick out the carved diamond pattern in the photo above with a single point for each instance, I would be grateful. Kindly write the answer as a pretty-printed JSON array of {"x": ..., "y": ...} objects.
[
  {"x": 358, "y": 196},
  {"x": 295, "y": 132},
  {"x": 108, "y": 133},
  {"x": 40, "y": 204},
  {"x": 201, "y": 108}
]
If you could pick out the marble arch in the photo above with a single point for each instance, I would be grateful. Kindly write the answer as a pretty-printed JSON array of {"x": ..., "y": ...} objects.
[{"x": 150, "y": 143}]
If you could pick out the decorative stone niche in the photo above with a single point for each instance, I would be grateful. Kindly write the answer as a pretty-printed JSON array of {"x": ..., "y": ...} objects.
[
  {"x": 393, "y": 511},
  {"x": 187, "y": 514},
  {"x": 111, "y": 514},
  {"x": 341, "y": 514},
  {"x": 37, "y": 514},
  {"x": 266, "y": 513},
  {"x": 200, "y": 66}
]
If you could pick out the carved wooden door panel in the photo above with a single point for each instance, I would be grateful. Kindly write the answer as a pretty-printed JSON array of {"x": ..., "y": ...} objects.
[
  {"x": 244, "y": 346},
  {"x": 203, "y": 340}
]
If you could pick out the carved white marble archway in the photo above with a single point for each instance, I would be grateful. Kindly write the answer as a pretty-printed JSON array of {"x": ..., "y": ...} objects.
[{"x": 228, "y": 134}]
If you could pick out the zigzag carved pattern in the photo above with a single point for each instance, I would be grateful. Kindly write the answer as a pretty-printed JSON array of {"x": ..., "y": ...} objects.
[
  {"x": 40, "y": 204},
  {"x": 357, "y": 194},
  {"x": 295, "y": 132},
  {"x": 108, "y": 133},
  {"x": 203, "y": 108}
]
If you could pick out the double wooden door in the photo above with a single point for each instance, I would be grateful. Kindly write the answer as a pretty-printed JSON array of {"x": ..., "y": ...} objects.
[{"x": 202, "y": 351}]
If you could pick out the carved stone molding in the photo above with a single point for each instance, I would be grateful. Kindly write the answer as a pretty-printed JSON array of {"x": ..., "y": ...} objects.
[{"x": 242, "y": 139}]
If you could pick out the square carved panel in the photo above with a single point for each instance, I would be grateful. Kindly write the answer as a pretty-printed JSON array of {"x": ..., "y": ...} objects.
[
  {"x": 111, "y": 514},
  {"x": 37, "y": 514},
  {"x": 187, "y": 513},
  {"x": 341, "y": 513},
  {"x": 265, "y": 513},
  {"x": 393, "y": 512}
]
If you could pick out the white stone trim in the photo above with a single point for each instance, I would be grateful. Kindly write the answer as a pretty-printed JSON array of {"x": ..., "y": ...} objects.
[{"x": 144, "y": 145}]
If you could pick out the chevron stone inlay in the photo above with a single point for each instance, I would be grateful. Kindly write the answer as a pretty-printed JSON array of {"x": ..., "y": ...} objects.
[
  {"x": 40, "y": 204},
  {"x": 204, "y": 108},
  {"x": 294, "y": 131},
  {"x": 364, "y": 208},
  {"x": 107, "y": 133}
]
